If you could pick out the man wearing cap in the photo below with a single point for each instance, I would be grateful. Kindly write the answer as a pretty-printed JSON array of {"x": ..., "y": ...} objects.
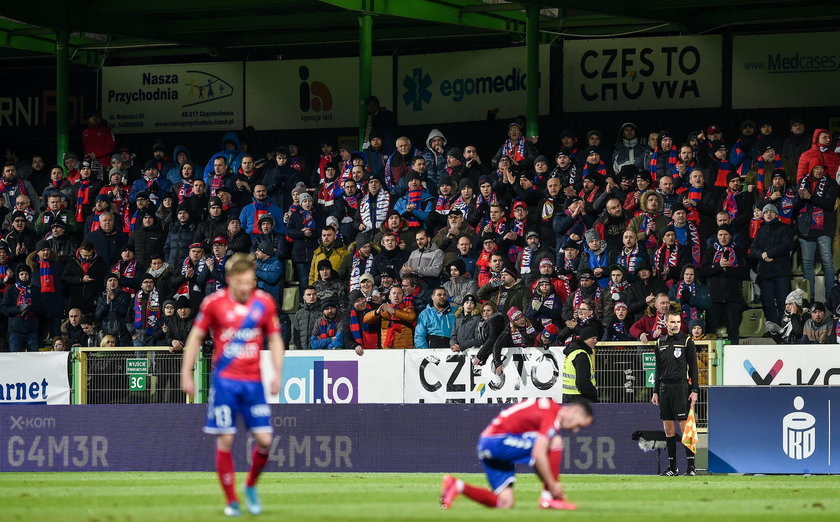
[
  {"x": 214, "y": 225},
  {"x": 473, "y": 168},
  {"x": 360, "y": 262},
  {"x": 629, "y": 149},
  {"x": 416, "y": 204},
  {"x": 435, "y": 322},
  {"x": 664, "y": 157},
  {"x": 151, "y": 183},
  {"x": 47, "y": 270},
  {"x": 358, "y": 334},
  {"x": 509, "y": 292},
  {"x": 761, "y": 173},
  {"x": 373, "y": 207},
  {"x": 546, "y": 307},
  {"x": 596, "y": 256},
  {"x": 84, "y": 276},
  {"x": 819, "y": 328},
  {"x": 62, "y": 243},
  {"x": 648, "y": 224},
  {"x": 780, "y": 194},
  {"x": 181, "y": 235},
  {"x": 328, "y": 332},
  {"x": 260, "y": 206},
  {"x": 797, "y": 142},
  {"x": 594, "y": 166},
  {"x": 518, "y": 333},
  {"x": 529, "y": 258},
  {"x": 194, "y": 273},
  {"x": 771, "y": 249},
  {"x": 146, "y": 312},
  {"x": 573, "y": 221},
  {"x": 113, "y": 310},
  {"x": 21, "y": 238},
  {"x": 269, "y": 270},
  {"x": 148, "y": 238},
  {"x": 566, "y": 171},
  {"x": 579, "y": 367},
  {"x": 447, "y": 237},
  {"x": 21, "y": 304},
  {"x": 737, "y": 204},
  {"x": 446, "y": 197},
  {"x": 216, "y": 265},
  {"x": 101, "y": 204},
  {"x": 520, "y": 150}
]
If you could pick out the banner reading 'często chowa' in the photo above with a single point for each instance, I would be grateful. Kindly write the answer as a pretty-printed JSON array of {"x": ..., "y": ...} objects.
[{"x": 676, "y": 72}]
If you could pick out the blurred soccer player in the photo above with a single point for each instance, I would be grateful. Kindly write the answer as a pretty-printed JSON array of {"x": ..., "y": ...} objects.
[
  {"x": 526, "y": 433},
  {"x": 241, "y": 318}
]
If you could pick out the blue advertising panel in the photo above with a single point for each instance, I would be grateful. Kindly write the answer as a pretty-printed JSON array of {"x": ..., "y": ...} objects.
[
  {"x": 778, "y": 429},
  {"x": 431, "y": 438}
]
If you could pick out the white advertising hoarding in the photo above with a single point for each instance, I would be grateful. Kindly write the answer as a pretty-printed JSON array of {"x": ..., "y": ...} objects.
[
  {"x": 311, "y": 94},
  {"x": 674, "y": 72},
  {"x": 463, "y": 86},
  {"x": 337, "y": 377},
  {"x": 169, "y": 98},
  {"x": 439, "y": 376},
  {"x": 34, "y": 378},
  {"x": 785, "y": 70},
  {"x": 806, "y": 364}
]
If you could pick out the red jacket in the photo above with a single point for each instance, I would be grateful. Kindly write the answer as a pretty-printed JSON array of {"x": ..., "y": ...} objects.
[
  {"x": 646, "y": 325},
  {"x": 99, "y": 139},
  {"x": 814, "y": 156}
]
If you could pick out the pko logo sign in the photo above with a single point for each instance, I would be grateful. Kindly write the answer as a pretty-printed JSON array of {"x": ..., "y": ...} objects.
[
  {"x": 418, "y": 86},
  {"x": 312, "y": 380},
  {"x": 799, "y": 432}
]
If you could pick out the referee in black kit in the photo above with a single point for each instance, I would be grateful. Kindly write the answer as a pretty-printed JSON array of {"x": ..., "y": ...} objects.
[{"x": 676, "y": 358}]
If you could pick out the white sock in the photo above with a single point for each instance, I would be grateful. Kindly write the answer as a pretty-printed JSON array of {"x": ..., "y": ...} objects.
[
  {"x": 459, "y": 485},
  {"x": 546, "y": 495}
]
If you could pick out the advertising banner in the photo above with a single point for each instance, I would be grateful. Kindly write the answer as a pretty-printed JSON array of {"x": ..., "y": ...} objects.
[
  {"x": 806, "y": 364},
  {"x": 446, "y": 376},
  {"x": 170, "y": 98},
  {"x": 339, "y": 377},
  {"x": 675, "y": 72},
  {"x": 463, "y": 86},
  {"x": 363, "y": 438},
  {"x": 779, "y": 429},
  {"x": 311, "y": 94},
  {"x": 785, "y": 70},
  {"x": 34, "y": 378}
]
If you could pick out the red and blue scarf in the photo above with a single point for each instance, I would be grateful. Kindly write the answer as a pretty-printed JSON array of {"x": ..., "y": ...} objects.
[
  {"x": 689, "y": 312},
  {"x": 724, "y": 168},
  {"x": 816, "y": 187},
  {"x": 363, "y": 334},
  {"x": 672, "y": 161},
  {"x": 777, "y": 164},
  {"x": 45, "y": 273},
  {"x": 514, "y": 151},
  {"x": 83, "y": 197},
  {"x": 729, "y": 249},
  {"x": 730, "y": 205},
  {"x": 146, "y": 311}
]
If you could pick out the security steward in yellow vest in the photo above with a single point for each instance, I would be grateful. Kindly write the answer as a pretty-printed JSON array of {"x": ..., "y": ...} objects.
[
  {"x": 676, "y": 362},
  {"x": 579, "y": 367}
]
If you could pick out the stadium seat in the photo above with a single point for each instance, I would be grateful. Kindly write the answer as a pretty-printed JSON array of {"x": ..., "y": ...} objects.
[
  {"x": 799, "y": 282},
  {"x": 748, "y": 293},
  {"x": 796, "y": 263},
  {"x": 721, "y": 332},
  {"x": 752, "y": 323},
  {"x": 290, "y": 270},
  {"x": 290, "y": 299}
]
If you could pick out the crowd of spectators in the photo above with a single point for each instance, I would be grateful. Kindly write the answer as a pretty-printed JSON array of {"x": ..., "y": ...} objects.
[{"x": 431, "y": 244}]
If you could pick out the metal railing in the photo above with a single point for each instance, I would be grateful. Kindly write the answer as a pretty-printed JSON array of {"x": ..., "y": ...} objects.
[
  {"x": 624, "y": 372},
  {"x": 132, "y": 375}
]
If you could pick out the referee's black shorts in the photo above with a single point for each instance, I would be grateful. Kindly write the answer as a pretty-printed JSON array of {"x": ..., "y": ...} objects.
[{"x": 673, "y": 400}]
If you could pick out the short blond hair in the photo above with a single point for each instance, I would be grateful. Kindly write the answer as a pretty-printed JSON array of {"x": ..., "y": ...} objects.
[{"x": 239, "y": 263}]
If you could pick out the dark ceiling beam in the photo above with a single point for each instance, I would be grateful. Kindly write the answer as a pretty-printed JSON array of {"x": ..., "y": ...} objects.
[
  {"x": 273, "y": 22},
  {"x": 662, "y": 13},
  {"x": 152, "y": 7}
]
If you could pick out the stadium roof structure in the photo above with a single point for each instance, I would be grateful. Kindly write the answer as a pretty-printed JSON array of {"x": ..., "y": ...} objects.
[{"x": 100, "y": 32}]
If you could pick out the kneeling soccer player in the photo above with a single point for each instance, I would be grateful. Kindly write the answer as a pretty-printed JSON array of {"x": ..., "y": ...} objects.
[
  {"x": 241, "y": 318},
  {"x": 525, "y": 433}
]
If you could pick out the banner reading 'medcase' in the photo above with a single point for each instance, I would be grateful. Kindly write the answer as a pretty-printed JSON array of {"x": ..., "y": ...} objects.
[
  {"x": 642, "y": 73},
  {"x": 444, "y": 376},
  {"x": 785, "y": 70},
  {"x": 463, "y": 86},
  {"x": 34, "y": 378},
  {"x": 339, "y": 377},
  {"x": 316, "y": 94},
  {"x": 178, "y": 97},
  {"x": 808, "y": 364}
]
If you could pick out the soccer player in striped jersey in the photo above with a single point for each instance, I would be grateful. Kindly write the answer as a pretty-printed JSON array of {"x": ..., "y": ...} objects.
[
  {"x": 525, "y": 433},
  {"x": 241, "y": 318}
]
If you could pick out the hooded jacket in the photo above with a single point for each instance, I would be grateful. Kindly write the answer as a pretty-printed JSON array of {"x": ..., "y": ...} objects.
[
  {"x": 21, "y": 321},
  {"x": 465, "y": 331},
  {"x": 776, "y": 239},
  {"x": 174, "y": 174},
  {"x": 303, "y": 323},
  {"x": 435, "y": 163},
  {"x": 640, "y": 225},
  {"x": 818, "y": 156},
  {"x": 432, "y": 321},
  {"x": 233, "y": 157}
]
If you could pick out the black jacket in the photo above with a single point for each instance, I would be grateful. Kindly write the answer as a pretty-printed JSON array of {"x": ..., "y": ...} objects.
[
  {"x": 147, "y": 241},
  {"x": 108, "y": 246},
  {"x": 775, "y": 238},
  {"x": 83, "y": 295},
  {"x": 21, "y": 320},
  {"x": 115, "y": 315},
  {"x": 725, "y": 283}
]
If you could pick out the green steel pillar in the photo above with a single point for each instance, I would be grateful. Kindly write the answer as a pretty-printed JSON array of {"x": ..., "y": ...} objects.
[
  {"x": 532, "y": 83},
  {"x": 365, "y": 61},
  {"x": 62, "y": 93}
]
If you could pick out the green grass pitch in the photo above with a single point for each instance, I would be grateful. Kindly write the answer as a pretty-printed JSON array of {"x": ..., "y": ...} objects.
[{"x": 182, "y": 497}]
